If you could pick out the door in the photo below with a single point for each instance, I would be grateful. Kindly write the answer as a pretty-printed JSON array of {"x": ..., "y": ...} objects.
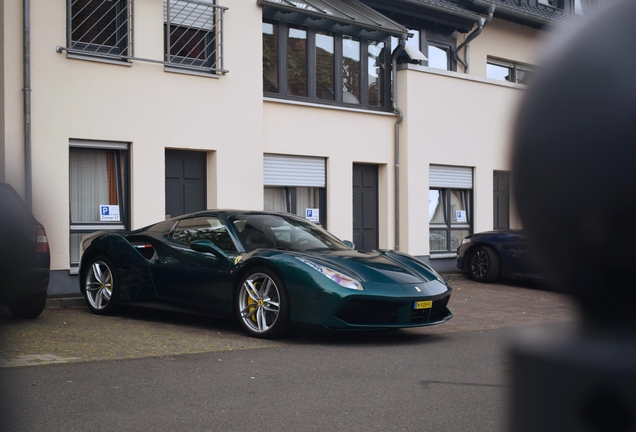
[
  {"x": 183, "y": 274},
  {"x": 365, "y": 206},
  {"x": 185, "y": 182},
  {"x": 501, "y": 200}
]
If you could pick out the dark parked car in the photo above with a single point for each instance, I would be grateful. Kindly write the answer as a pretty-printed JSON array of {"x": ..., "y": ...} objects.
[
  {"x": 266, "y": 269},
  {"x": 489, "y": 255},
  {"x": 24, "y": 257}
]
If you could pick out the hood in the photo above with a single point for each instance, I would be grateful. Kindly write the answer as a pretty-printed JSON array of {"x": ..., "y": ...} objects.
[{"x": 375, "y": 266}]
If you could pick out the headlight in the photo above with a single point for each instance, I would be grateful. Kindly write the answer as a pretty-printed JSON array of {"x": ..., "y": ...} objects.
[
  {"x": 465, "y": 240},
  {"x": 339, "y": 278}
]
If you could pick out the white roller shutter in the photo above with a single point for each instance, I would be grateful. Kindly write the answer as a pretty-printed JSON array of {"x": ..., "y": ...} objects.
[
  {"x": 198, "y": 14},
  {"x": 450, "y": 177},
  {"x": 279, "y": 170}
]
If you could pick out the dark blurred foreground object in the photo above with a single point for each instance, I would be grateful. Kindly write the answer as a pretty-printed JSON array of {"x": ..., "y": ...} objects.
[
  {"x": 575, "y": 178},
  {"x": 24, "y": 257}
]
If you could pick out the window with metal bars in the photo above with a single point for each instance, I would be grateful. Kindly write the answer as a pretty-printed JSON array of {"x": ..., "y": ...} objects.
[
  {"x": 99, "y": 27},
  {"x": 191, "y": 30},
  {"x": 193, "y": 33}
]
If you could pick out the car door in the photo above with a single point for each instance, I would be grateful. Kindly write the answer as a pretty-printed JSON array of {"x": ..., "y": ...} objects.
[{"x": 182, "y": 274}]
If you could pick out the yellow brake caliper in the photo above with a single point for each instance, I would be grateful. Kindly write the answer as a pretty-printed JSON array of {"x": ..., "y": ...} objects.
[{"x": 251, "y": 301}]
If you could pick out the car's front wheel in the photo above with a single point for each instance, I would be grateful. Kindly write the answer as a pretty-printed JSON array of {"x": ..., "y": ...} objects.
[
  {"x": 262, "y": 304},
  {"x": 100, "y": 286},
  {"x": 484, "y": 264}
]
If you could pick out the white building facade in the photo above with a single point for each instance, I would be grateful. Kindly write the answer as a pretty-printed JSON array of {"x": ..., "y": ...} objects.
[{"x": 124, "y": 112}]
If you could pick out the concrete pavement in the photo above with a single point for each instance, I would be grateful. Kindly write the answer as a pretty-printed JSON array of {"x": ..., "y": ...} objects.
[{"x": 67, "y": 332}]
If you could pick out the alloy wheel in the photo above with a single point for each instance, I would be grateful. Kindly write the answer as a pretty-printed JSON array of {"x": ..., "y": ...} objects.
[
  {"x": 480, "y": 263},
  {"x": 259, "y": 302},
  {"x": 99, "y": 284}
]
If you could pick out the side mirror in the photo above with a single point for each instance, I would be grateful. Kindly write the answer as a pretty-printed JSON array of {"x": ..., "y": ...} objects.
[
  {"x": 209, "y": 247},
  {"x": 349, "y": 243}
]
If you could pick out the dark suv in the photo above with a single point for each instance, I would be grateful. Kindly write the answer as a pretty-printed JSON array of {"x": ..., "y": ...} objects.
[{"x": 24, "y": 257}]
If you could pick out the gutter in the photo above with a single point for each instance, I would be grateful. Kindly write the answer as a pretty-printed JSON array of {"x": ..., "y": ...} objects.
[
  {"x": 26, "y": 39},
  {"x": 400, "y": 117},
  {"x": 516, "y": 13},
  {"x": 482, "y": 23},
  {"x": 466, "y": 15}
]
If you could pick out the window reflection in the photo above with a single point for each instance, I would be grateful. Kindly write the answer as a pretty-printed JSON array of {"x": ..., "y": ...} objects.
[
  {"x": 295, "y": 200},
  {"x": 437, "y": 240},
  {"x": 458, "y": 203},
  {"x": 497, "y": 72},
  {"x": 350, "y": 69},
  {"x": 435, "y": 206},
  {"x": 270, "y": 57},
  {"x": 437, "y": 57},
  {"x": 325, "y": 73},
  {"x": 297, "y": 62},
  {"x": 376, "y": 71},
  {"x": 449, "y": 218}
]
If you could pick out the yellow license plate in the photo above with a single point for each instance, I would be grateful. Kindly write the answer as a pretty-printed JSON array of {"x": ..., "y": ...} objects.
[{"x": 426, "y": 304}]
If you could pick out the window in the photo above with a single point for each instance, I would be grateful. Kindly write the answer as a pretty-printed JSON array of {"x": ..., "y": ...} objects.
[
  {"x": 270, "y": 58},
  {"x": 296, "y": 200},
  {"x": 324, "y": 66},
  {"x": 449, "y": 218},
  {"x": 295, "y": 184},
  {"x": 434, "y": 45},
  {"x": 508, "y": 71},
  {"x": 204, "y": 228},
  {"x": 98, "y": 185},
  {"x": 100, "y": 27},
  {"x": 449, "y": 207},
  {"x": 438, "y": 57},
  {"x": 581, "y": 7},
  {"x": 190, "y": 33}
]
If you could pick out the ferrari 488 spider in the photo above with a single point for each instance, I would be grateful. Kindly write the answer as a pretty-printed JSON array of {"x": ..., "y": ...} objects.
[{"x": 267, "y": 269}]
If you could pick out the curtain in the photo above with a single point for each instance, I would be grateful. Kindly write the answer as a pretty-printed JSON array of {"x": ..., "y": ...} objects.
[{"x": 93, "y": 182}]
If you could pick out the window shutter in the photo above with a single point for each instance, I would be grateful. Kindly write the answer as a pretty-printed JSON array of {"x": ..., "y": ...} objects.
[
  {"x": 450, "y": 177},
  {"x": 190, "y": 14},
  {"x": 279, "y": 170}
]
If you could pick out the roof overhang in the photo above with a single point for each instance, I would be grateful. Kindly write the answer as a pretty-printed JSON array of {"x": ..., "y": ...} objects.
[{"x": 347, "y": 12}]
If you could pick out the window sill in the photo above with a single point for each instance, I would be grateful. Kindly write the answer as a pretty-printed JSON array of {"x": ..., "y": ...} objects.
[
  {"x": 331, "y": 107},
  {"x": 99, "y": 59},
  {"x": 442, "y": 255},
  {"x": 174, "y": 69}
]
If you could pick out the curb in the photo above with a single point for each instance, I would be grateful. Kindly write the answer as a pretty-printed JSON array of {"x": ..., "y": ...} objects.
[{"x": 58, "y": 303}]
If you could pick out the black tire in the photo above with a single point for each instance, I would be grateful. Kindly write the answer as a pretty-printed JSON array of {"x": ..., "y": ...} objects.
[
  {"x": 29, "y": 307},
  {"x": 101, "y": 288},
  {"x": 484, "y": 264},
  {"x": 262, "y": 304}
]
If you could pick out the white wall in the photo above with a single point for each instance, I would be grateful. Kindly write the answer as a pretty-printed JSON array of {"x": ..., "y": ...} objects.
[
  {"x": 504, "y": 40},
  {"x": 344, "y": 138},
  {"x": 451, "y": 119},
  {"x": 142, "y": 105}
]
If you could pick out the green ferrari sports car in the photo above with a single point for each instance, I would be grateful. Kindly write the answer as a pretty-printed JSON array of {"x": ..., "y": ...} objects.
[{"x": 270, "y": 270}]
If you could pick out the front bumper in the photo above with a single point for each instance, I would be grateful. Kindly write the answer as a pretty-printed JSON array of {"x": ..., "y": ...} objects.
[{"x": 381, "y": 314}]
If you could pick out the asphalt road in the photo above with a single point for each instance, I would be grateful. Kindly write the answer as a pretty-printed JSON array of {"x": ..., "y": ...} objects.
[{"x": 70, "y": 370}]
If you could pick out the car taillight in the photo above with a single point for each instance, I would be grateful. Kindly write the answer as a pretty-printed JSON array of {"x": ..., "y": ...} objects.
[{"x": 41, "y": 242}]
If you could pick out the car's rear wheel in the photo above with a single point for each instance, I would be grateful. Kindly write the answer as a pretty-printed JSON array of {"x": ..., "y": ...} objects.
[
  {"x": 262, "y": 304},
  {"x": 484, "y": 264},
  {"x": 100, "y": 286},
  {"x": 29, "y": 307}
]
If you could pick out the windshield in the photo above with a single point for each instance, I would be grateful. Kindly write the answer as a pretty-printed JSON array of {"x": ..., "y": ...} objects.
[{"x": 282, "y": 232}]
